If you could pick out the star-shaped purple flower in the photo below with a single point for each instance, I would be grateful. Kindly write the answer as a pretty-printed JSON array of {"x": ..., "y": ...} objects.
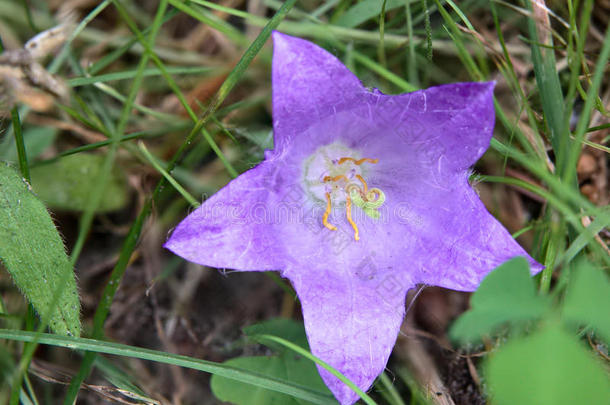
[{"x": 364, "y": 196}]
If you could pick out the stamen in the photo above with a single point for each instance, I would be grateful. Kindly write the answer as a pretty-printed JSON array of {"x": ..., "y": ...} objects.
[
  {"x": 348, "y": 209},
  {"x": 339, "y": 177},
  {"x": 366, "y": 188},
  {"x": 357, "y": 162},
  {"x": 327, "y": 213},
  {"x": 353, "y": 187},
  {"x": 375, "y": 193}
]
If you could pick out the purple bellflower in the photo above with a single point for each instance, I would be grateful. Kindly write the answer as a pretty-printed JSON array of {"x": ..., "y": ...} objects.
[{"x": 364, "y": 196}]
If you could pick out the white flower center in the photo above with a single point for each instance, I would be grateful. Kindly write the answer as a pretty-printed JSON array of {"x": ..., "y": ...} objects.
[{"x": 335, "y": 173}]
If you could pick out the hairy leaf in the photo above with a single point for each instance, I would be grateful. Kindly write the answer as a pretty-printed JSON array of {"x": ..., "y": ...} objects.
[{"x": 33, "y": 253}]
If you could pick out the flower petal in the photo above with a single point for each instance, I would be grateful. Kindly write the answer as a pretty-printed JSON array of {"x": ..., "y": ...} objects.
[
  {"x": 451, "y": 125},
  {"x": 232, "y": 229},
  {"x": 460, "y": 241},
  {"x": 351, "y": 321},
  {"x": 308, "y": 84}
]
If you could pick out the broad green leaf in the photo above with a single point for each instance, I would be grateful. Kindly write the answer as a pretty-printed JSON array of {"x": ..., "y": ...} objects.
[
  {"x": 67, "y": 183},
  {"x": 548, "y": 368},
  {"x": 284, "y": 365},
  {"x": 507, "y": 294},
  {"x": 365, "y": 10},
  {"x": 33, "y": 253},
  {"x": 284, "y": 328},
  {"x": 588, "y": 299}
]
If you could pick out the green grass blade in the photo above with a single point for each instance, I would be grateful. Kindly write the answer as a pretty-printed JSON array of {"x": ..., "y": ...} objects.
[
  {"x": 244, "y": 62},
  {"x": 21, "y": 153},
  {"x": 551, "y": 94},
  {"x": 153, "y": 161},
  {"x": 583, "y": 122},
  {"x": 299, "y": 350},
  {"x": 104, "y": 306},
  {"x": 130, "y": 74},
  {"x": 116, "y": 349},
  {"x": 198, "y": 128}
]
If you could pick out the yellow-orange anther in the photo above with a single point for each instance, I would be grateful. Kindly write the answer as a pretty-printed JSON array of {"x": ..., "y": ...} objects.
[
  {"x": 327, "y": 213},
  {"x": 348, "y": 212},
  {"x": 366, "y": 188},
  {"x": 336, "y": 178},
  {"x": 357, "y": 162}
]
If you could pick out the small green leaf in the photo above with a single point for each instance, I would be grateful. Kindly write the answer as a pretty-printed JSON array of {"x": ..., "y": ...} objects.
[
  {"x": 285, "y": 365},
  {"x": 507, "y": 294},
  {"x": 588, "y": 299},
  {"x": 33, "y": 253},
  {"x": 548, "y": 368},
  {"x": 67, "y": 183}
]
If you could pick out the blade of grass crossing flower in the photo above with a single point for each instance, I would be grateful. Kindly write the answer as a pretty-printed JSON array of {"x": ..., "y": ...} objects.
[
  {"x": 97, "y": 346},
  {"x": 244, "y": 61},
  {"x": 104, "y": 306},
  {"x": 153, "y": 161},
  {"x": 321, "y": 363}
]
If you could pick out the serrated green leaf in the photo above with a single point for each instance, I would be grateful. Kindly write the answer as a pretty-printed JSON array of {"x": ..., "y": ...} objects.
[
  {"x": 33, "y": 253},
  {"x": 548, "y": 368},
  {"x": 507, "y": 294},
  {"x": 66, "y": 183},
  {"x": 588, "y": 299},
  {"x": 285, "y": 365}
]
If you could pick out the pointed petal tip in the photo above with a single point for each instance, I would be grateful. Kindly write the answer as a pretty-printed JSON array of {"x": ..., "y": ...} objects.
[
  {"x": 535, "y": 267},
  {"x": 284, "y": 40}
]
